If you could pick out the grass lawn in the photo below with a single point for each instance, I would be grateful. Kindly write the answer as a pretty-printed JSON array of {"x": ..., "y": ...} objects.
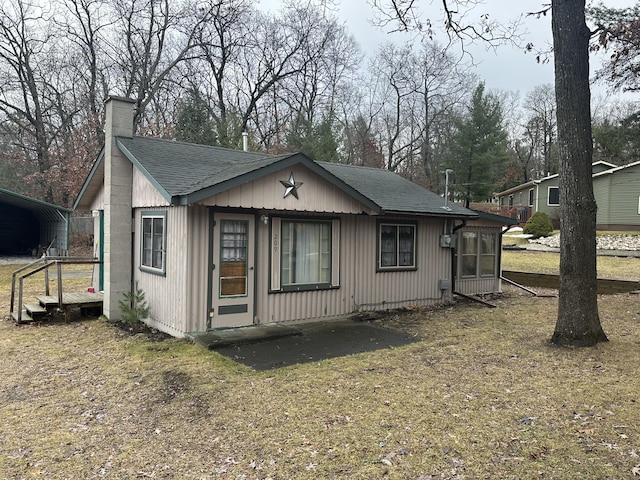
[
  {"x": 482, "y": 396},
  {"x": 619, "y": 268}
]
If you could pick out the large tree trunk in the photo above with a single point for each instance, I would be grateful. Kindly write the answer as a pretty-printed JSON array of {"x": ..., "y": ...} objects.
[{"x": 578, "y": 323}]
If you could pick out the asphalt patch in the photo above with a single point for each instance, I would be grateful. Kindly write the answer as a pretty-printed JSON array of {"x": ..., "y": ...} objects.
[{"x": 315, "y": 343}]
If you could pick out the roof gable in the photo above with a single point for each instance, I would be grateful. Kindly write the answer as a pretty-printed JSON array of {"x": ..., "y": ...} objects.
[
  {"x": 92, "y": 183},
  {"x": 612, "y": 171},
  {"x": 185, "y": 173}
]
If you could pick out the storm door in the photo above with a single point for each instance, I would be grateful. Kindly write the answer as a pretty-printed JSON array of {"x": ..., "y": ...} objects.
[{"x": 233, "y": 271}]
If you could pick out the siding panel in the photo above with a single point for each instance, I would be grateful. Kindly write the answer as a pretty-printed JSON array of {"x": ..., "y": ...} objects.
[
  {"x": 198, "y": 262},
  {"x": 144, "y": 194},
  {"x": 361, "y": 287},
  {"x": 315, "y": 195},
  {"x": 388, "y": 290},
  {"x": 166, "y": 295}
]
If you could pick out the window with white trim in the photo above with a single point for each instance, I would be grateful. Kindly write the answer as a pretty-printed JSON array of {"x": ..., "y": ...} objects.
[
  {"x": 153, "y": 240},
  {"x": 469, "y": 254},
  {"x": 396, "y": 246},
  {"x": 554, "y": 196},
  {"x": 478, "y": 254},
  {"x": 488, "y": 247},
  {"x": 305, "y": 254},
  {"x": 531, "y": 197}
]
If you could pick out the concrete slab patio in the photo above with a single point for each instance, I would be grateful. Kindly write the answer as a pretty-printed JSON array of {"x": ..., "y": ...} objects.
[{"x": 265, "y": 347}]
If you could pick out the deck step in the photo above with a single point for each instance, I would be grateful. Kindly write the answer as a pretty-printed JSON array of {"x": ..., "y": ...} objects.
[
  {"x": 24, "y": 318},
  {"x": 34, "y": 309}
]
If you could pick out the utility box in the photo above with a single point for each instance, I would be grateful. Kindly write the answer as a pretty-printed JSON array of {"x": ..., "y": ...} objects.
[
  {"x": 444, "y": 284},
  {"x": 448, "y": 240}
]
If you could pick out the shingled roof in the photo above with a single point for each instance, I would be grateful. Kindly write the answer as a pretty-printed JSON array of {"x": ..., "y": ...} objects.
[
  {"x": 393, "y": 193},
  {"x": 186, "y": 173}
]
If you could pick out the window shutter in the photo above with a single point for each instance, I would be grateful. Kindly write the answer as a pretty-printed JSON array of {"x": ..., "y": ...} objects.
[
  {"x": 335, "y": 253},
  {"x": 275, "y": 253}
]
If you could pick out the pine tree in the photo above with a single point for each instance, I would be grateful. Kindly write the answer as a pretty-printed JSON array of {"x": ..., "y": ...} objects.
[
  {"x": 479, "y": 148},
  {"x": 194, "y": 122},
  {"x": 317, "y": 141}
]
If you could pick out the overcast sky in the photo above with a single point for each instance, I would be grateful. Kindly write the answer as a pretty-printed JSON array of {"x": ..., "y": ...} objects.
[{"x": 506, "y": 68}]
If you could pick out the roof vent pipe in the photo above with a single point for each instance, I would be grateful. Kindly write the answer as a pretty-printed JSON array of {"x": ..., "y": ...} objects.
[{"x": 245, "y": 141}]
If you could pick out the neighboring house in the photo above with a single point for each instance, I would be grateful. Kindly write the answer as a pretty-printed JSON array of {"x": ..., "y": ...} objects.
[
  {"x": 29, "y": 226},
  {"x": 617, "y": 192},
  {"x": 224, "y": 238},
  {"x": 522, "y": 201}
]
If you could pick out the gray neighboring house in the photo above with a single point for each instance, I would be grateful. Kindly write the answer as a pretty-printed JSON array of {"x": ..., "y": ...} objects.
[
  {"x": 221, "y": 238},
  {"x": 522, "y": 201},
  {"x": 617, "y": 192},
  {"x": 28, "y": 226}
]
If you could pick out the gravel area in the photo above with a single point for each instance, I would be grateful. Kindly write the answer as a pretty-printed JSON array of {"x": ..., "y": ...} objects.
[{"x": 604, "y": 242}]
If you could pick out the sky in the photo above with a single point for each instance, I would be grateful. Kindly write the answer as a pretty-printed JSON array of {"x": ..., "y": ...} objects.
[{"x": 506, "y": 68}]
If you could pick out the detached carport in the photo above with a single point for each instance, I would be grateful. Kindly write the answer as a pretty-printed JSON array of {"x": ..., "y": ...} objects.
[{"x": 28, "y": 225}]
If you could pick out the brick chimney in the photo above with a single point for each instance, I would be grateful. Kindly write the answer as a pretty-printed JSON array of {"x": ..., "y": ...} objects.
[{"x": 118, "y": 180}]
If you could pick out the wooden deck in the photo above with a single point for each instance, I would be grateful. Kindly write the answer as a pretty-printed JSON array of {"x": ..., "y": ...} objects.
[
  {"x": 24, "y": 311},
  {"x": 77, "y": 299},
  {"x": 48, "y": 303}
]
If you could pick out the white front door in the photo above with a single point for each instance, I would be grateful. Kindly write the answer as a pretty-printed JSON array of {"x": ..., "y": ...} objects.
[{"x": 233, "y": 270}]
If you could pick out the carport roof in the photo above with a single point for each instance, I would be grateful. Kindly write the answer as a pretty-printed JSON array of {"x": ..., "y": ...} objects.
[{"x": 21, "y": 201}]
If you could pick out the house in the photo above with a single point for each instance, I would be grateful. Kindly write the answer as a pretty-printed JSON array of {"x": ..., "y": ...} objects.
[
  {"x": 617, "y": 193},
  {"x": 28, "y": 226},
  {"x": 522, "y": 201},
  {"x": 222, "y": 238}
]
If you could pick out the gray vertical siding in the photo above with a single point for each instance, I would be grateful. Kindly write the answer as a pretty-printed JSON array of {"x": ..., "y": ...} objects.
[
  {"x": 387, "y": 290},
  {"x": 145, "y": 194},
  {"x": 361, "y": 287},
  {"x": 319, "y": 195},
  {"x": 197, "y": 264},
  {"x": 166, "y": 294}
]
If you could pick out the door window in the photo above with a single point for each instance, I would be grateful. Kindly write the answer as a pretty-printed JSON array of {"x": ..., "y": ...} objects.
[{"x": 233, "y": 258}]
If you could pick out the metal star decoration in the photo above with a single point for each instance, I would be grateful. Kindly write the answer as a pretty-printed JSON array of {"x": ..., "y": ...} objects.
[{"x": 290, "y": 186}]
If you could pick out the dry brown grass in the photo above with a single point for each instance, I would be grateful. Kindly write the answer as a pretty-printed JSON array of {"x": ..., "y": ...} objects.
[
  {"x": 619, "y": 268},
  {"x": 483, "y": 395}
]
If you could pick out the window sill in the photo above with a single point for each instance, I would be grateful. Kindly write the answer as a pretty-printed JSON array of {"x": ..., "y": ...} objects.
[
  {"x": 396, "y": 269},
  {"x": 305, "y": 288},
  {"x": 153, "y": 271}
]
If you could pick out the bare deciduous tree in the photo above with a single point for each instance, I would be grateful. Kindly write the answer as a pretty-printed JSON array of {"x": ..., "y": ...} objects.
[{"x": 578, "y": 321}]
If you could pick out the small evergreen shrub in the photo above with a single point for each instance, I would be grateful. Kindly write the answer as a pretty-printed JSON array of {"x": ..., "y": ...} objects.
[
  {"x": 134, "y": 307},
  {"x": 538, "y": 225}
]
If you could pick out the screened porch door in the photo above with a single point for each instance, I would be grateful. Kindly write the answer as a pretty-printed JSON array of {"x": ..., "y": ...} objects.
[{"x": 233, "y": 270}]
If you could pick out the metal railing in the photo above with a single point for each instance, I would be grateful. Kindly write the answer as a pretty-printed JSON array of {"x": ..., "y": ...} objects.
[{"x": 43, "y": 263}]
